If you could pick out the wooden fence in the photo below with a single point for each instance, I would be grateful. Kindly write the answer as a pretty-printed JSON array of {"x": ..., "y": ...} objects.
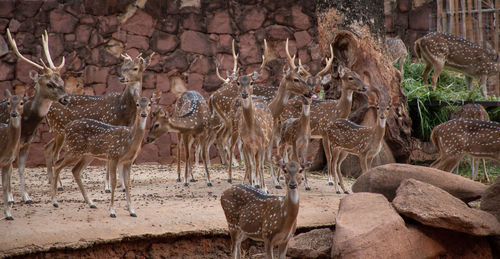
[{"x": 475, "y": 20}]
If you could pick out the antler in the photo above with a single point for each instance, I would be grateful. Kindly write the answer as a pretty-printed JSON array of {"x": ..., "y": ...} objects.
[
  {"x": 328, "y": 63},
  {"x": 291, "y": 60},
  {"x": 45, "y": 43},
  {"x": 126, "y": 56},
  {"x": 255, "y": 74},
  {"x": 235, "y": 57},
  {"x": 14, "y": 47},
  {"x": 219, "y": 76}
]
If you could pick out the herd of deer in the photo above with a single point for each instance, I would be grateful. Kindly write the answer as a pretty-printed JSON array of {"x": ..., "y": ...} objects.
[{"x": 111, "y": 127}]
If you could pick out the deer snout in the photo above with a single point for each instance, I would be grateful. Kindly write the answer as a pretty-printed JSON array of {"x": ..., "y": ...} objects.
[
  {"x": 64, "y": 100},
  {"x": 149, "y": 140},
  {"x": 144, "y": 115},
  {"x": 14, "y": 115},
  {"x": 122, "y": 79},
  {"x": 363, "y": 89},
  {"x": 244, "y": 95},
  {"x": 382, "y": 116},
  {"x": 292, "y": 185}
]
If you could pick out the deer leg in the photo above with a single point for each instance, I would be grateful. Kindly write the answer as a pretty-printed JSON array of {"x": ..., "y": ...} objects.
[
  {"x": 48, "y": 152},
  {"x": 107, "y": 179},
  {"x": 484, "y": 171},
  {"x": 112, "y": 171},
  {"x": 341, "y": 158},
  {"x": 427, "y": 69},
  {"x": 205, "y": 157},
  {"x": 180, "y": 138},
  {"x": 197, "y": 154},
  {"x": 468, "y": 82},
  {"x": 438, "y": 67},
  {"x": 60, "y": 164},
  {"x": 474, "y": 168},
  {"x": 332, "y": 167},
  {"x": 77, "y": 170},
  {"x": 5, "y": 187},
  {"x": 21, "y": 162},
  {"x": 282, "y": 249},
  {"x": 248, "y": 167},
  {"x": 236, "y": 238},
  {"x": 482, "y": 85},
  {"x": 363, "y": 159},
  {"x": 58, "y": 145},
  {"x": 328, "y": 153},
  {"x": 186, "y": 141},
  {"x": 10, "y": 198},
  {"x": 269, "y": 249},
  {"x": 231, "y": 154},
  {"x": 262, "y": 158},
  {"x": 126, "y": 175}
]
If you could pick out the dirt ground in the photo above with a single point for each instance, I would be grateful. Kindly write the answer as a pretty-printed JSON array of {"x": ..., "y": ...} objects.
[{"x": 163, "y": 206}]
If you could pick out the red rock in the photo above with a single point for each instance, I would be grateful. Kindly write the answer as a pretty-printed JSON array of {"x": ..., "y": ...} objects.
[
  {"x": 164, "y": 42},
  {"x": 69, "y": 37},
  {"x": 95, "y": 39},
  {"x": 226, "y": 63},
  {"x": 278, "y": 32},
  {"x": 201, "y": 65},
  {"x": 195, "y": 82},
  {"x": 56, "y": 46},
  {"x": 252, "y": 19},
  {"x": 250, "y": 50},
  {"x": 89, "y": 91},
  {"x": 168, "y": 24},
  {"x": 176, "y": 61},
  {"x": 419, "y": 19},
  {"x": 83, "y": 33},
  {"x": 100, "y": 8},
  {"x": 138, "y": 42},
  {"x": 300, "y": 19},
  {"x": 149, "y": 80},
  {"x": 87, "y": 19},
  {"x": 304, "y": 56},
  {"x": 194, "y": 22},
  {"x": 162, "y": 82},
  {"x": 283, "y": 16},
  {"x": 316, "y": 243},
  {"x": 27, "y": 8},
  {"x": 7, "y": 71},
  {"x": 220, "y": 23},
  {"x": 167, "y": 99},
  {"x": 14, "y": 25},
  {"x": 404, "y": 5},
  {"x": 99, "y": 89},
  {"x": 33, "y": 159},
  {"x": 7, "y": 9},
  {"x": 224, "y": 43},
  {"x": 120, "y": 35},
  {"x": 107, "y": 24},
  {"x": 211, "y": 83},
  {"x": 6, "y": 85},
  {"x": 113, "y": 84},
  {"x": 302, "y": 38},
  {"x": 292, "y": 48},
  {"x": 62, "y": 22},
  {"x": 22, "y": 71},
  {"x": 197, "y": 42},
  {"x": 389, "y": 23},
  {"x": 104, "y": 58},
  {"x": 141, "y": 23},
  {"x": 315, "y": 50},
  {"x": 95, "y": 74},
  {"x": 3, "y": 24}
]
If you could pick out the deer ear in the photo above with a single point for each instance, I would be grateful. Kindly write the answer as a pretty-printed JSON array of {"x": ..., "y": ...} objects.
[
  {"x": 341, "y": 71},
  {"x": 286, "y": 69},
  {"x": 155, "y": 97},
  {"x": 33, "y": 75},
  {"x": 148, "y": 60},
  {"x": 279, "y": 161},
  {"x": 7, "y": 94},
  {"x": 326, "y": 79},
  {"x": 307, "y": 162}
]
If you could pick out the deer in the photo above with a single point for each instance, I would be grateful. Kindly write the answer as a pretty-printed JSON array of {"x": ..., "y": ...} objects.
[
  {"x": 397, "y": 52},
  {"x": 440, "y": 50},
  {"x": 346, "y": 137},
  {"x": 10, "y": 136},
  {"x": 296, "y": 132},
  {"x": 324, "y": 111},
  {"x": 473, "y": 111},
  {"x": 48, "y": 90},
  {"x": 252, "y": 213},
  {"x": 86, "y": 139},
  {"x": 112, "y": 108},
  {"x": 455, "y": 138},
  {"x": 190, "y": 120}
]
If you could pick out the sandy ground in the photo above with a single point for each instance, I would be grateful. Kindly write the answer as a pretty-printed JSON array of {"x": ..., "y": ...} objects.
[{"x": 162, "y": 205}]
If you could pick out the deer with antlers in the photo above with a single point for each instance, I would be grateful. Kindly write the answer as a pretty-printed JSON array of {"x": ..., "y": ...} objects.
[
  {"x": 324, "y": 111},
  {"x": 86, "y": 139},
  {"x": 10, "y": 136},
  {"x": 458, "y": 137},
  {"x": 441, "y": 50},
  {"x": 473, "y": 111},
  {"x": 113, "y": 108},
  {"x": 251, "y": 213},
  {"x": 365, "y": 141},
  {"x": 48, "y": 89},
  {"x": 190, "y": 120}
]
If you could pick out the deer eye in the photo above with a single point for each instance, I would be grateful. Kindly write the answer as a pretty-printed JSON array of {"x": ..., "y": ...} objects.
[
  {"x": 350, "y": 78},
  {"x": 8, "y": 103},
  {"x": 135, "y": 69},
  {"x": 149, "y": 104},
  {"x": 22, "y": 103},
  {"x": 296, "y": 80},
  {"x": 137, "y": 104},
  {"x": 157, "y": 125}
]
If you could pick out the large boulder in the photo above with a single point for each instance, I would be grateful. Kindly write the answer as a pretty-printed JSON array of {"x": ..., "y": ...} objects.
[
  {"x": 490, "y": 202},
  {"x": 386, "y": 179},
  {"x": 367, "y": 226},
  {"x": 316, "y": 243},
  {"x": 435, "y": 207}
]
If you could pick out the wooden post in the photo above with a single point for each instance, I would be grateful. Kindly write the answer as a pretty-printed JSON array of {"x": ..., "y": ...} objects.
[
  {"x": 479, "y": 7},
  {"x": 456, "y": 10},
  {"x": 439, "y": 16},
  {"x": 470, "y": 26},
  {"x": 451, "y": 9},
  {"x": 497, "y": 43},
  {"x": 463, "y": 24}
]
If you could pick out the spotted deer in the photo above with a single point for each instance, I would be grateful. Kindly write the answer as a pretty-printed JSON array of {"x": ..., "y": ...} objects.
[
  {"x": 112, "y": 108},
  {"x": 295, "y": 133},
  {"x": 346, "y": 137},
  {"x": 10, "y": 135},
  {"x": 251, "y": 213},
  {"x": 324, "y": 111},
  {"x": 48, "y": 90},
  {"x": 459, "y": 137},
  {"x": 473, "y": 111},
  {"x": 441, "y": 50},
  {"x": 190, "y": 120},
  {"x": 397, "y": 52},
  {"x": 87, "y": 139}
]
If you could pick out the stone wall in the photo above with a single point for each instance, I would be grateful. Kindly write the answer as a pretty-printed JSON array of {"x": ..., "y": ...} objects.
[
  {"x": 409, "y": 19},
  {"x": 189, "y": 37}
]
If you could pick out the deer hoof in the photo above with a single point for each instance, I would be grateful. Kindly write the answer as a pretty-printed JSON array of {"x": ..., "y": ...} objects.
[
  {"x": 132, "y": 214},
  {"x": 186, "y": 184},
  {"x": 10, "y": 202},
  {"x": 56, "y": 205},
  {"x": 229, "y": 180},
  {"x": 107, "y": 191},
  {"x": 330, "y": 183},
  {"x": 178, "y": 180},
  {"x": 29, "y": 202},
  {"x": 9, "y": 218},
  {"x": 112, "y": 215},
  {"x": 93, "y": 206},
  {"x": 338, "y": 192},
  {"x": 257, "y": 186},
  {"x": 308, "y": 188},
  {"x": 278, "y": 187},
  {"x": 60, "y": 188},
  {"x": 346, "y": 192},
  {"x": 209, "y": 184},
  {"x": 192, "y": 180}
]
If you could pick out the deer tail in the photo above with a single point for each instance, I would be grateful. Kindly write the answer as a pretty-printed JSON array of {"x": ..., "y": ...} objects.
[
  {"x": 417, "y": 49},
  {"x": 435, "y": 139}
]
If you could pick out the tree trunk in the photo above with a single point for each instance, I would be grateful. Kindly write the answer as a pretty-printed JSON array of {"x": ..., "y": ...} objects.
[{"x": 356, "y": 29}]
